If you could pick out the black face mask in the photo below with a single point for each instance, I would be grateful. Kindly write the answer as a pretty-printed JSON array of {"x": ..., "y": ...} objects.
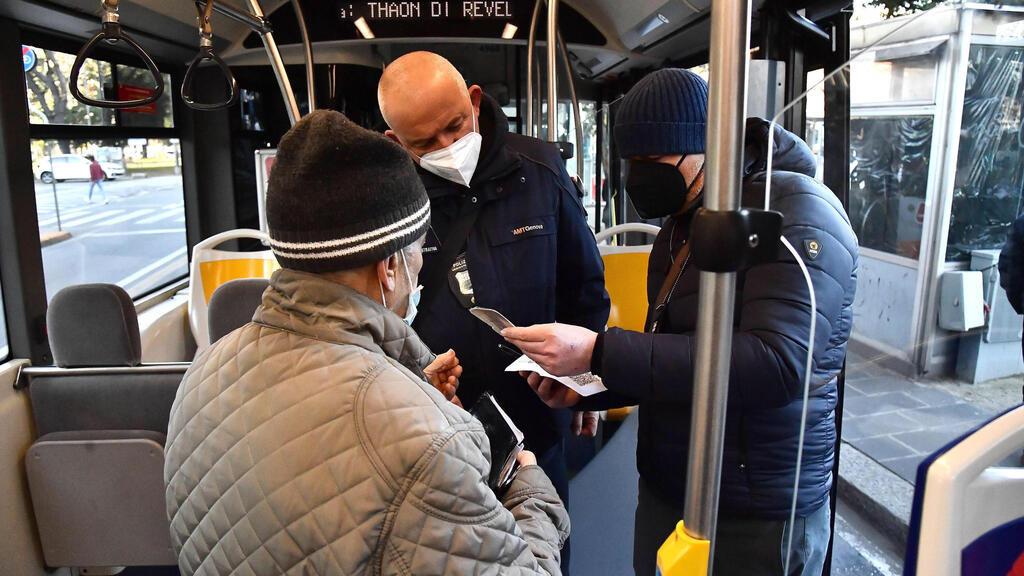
[{"x": 657, "y": 189}]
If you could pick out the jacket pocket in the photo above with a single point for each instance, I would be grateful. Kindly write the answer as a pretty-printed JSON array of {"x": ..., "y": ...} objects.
[{"x": 524, "y": 254}]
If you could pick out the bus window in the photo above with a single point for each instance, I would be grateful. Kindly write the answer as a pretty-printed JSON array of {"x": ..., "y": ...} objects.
[
  {"x": 50, "y": 100},
  {"x": 4, "y": 349},
  {"x": 132, "y": 82},
  {"x": 127, "y": 228}
]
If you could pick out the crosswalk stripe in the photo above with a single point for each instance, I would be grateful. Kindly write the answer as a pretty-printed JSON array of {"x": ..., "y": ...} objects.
[
  {"x": 161, "y": 216},
  {"x": 92, "y": 218},
  {"x": 63, "y": 216},
  {"x": 126, "y": 217}
]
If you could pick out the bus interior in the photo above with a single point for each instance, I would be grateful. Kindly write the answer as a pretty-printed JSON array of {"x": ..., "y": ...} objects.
[{"x": 913, "y": 120}]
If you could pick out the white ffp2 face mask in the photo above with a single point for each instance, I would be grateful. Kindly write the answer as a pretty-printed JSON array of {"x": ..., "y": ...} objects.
[{"x": 457, "y": 162}]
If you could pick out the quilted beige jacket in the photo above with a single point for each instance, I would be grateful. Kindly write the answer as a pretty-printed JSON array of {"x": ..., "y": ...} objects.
[{"x": 307, "y": 442}]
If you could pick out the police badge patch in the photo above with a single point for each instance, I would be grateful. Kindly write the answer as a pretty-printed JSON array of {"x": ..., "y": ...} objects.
[{"x": 812, "y": 248}]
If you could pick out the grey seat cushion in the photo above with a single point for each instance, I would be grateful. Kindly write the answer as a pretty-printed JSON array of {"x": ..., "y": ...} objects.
[
  {"x": 233, "y": 304},
  {"x": 93, "y": 325}
]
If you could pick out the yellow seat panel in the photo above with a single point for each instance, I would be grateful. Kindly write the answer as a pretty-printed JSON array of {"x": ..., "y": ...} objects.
[
  {"x": 217, "y": 272},
  {"x": 625, "y": 278}
]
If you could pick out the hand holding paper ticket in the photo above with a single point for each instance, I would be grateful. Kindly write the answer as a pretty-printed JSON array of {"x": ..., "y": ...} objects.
[
  {"x": 560, "y": 349},
  {"x": 585, "y": 384}
]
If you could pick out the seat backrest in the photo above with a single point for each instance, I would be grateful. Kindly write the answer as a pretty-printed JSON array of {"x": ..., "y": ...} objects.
[
  {"x": 94, "y": 335},
  {"x": 233, "y": 304},
  {"x": 93, "y": 325},
  {"x": 625, "y": 276},
  {"x": 212, "y": 267},
  {"x": 967, "y": 517}
]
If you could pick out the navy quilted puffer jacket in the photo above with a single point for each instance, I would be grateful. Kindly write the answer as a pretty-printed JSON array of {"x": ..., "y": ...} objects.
[{"x": 769, "y": 348}]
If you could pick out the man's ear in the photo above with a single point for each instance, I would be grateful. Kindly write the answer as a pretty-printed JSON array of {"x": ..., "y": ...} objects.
[
  {"x": 386, "y": 270},
  {"x": 394, "y": 137},
  {"x": 475, "y": 95}
]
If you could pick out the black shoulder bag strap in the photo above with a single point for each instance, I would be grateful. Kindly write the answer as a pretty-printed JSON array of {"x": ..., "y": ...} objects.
[
  {"x": 452, "y": 245},
  {"x": 668, "y": 286}
]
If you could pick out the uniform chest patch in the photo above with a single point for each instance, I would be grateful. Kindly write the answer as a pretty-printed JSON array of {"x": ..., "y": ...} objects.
[{"x": 812, "y": 248}]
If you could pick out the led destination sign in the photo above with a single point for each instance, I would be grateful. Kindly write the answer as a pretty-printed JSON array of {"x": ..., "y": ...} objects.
[{"x": 426, "y": 10}]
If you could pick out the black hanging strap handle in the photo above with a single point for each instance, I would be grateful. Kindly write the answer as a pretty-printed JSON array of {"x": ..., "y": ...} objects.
[
  {"x": 111, "y": 32},
  {"x": 206, "y": 53}
]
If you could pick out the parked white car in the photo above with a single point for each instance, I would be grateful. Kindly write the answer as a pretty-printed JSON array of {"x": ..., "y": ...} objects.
[{"x": 73, "y": 167}]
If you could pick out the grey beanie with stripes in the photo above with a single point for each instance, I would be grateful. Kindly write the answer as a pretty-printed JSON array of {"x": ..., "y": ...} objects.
[{"x": 341, "y": 197}]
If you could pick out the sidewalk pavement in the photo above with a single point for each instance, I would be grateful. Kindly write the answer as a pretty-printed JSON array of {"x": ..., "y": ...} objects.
[{"x": 891, "y": 422}]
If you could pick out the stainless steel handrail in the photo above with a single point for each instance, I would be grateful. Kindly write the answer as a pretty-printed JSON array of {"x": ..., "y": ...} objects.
[
  {"x": 730, "y": 38},
  {"x": 42, "y": 371},
  {"x": 277, "y": 63},
  {"x": 308, "y": 47},
  {"x": 530, "y": 45},
  {"x": 552, "y": 70},
  {"x": 577, "y": 119}
]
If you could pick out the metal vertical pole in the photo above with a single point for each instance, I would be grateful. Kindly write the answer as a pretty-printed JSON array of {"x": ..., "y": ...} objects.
[
  {"x": 730, "y": 37},
  {"x": 599, "y": 188},
  {"x": 278, "y": 65},
  {"x": 308, "y": 49},
  {"x": 530, "y": 46},
  {"x": 552, "y": 45},
  {"x": 577, "y": 119},
  {"x": 53, "y": 184}
]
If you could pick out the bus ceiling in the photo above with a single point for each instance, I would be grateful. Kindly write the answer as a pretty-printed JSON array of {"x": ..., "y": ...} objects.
[{"x": 605, "y": 37}]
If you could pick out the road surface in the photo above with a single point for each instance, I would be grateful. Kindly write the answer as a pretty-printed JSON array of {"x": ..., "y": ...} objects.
[{"x": 135, "y": 240}]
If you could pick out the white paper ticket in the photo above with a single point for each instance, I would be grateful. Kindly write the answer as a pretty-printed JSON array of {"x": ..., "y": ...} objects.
[{"x": 585, "y": 384}]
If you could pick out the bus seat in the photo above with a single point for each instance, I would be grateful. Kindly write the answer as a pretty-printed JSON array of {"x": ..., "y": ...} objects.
[
  {"x": 625, "y": 279},
  {"x": 95, "y": 471},
  {"x": 968, "y": 512},
  {"x": 604, "y": 497},
  {"x": 212, "y": 267},
  {"x": 233, "y": 304}
]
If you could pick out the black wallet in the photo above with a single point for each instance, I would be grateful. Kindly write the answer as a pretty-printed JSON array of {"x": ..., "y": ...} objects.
[{"x": 505, "y": 438}]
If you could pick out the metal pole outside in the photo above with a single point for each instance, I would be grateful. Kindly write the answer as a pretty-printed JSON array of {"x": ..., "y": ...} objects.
[
  {"x": 530, "y": 45},
  {"x": 552, "y": 70},
  {"x": 730, "y": 37},
  {"x": 278, "y": 65},
  {"x": 53, "y": 184}
]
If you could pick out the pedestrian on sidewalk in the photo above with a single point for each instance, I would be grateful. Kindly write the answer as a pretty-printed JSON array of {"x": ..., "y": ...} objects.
[{"x": 95, "y": 178}]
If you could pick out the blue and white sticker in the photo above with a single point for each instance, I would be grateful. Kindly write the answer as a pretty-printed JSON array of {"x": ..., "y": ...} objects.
[{"x": 28, "y": 57}]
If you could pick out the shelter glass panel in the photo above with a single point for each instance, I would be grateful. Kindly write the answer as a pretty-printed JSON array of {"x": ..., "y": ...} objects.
[
  {"x": 121, "y": 222},
  {"x": 990, "y": 165},
  {"x": 889, "y": 160}
]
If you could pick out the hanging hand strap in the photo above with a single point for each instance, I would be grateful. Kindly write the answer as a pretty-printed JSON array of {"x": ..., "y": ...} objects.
[
  {"x": 111, "y": 32},
  {"x": 206, "y": 53}
]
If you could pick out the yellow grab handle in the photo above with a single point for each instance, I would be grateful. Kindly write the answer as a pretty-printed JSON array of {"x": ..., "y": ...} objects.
[{"x": 683, "y": 555}]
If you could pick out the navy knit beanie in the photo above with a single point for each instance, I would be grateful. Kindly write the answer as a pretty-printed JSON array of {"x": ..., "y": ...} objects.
[
  {"x": 664, "y": 114},
  {"x": 341, "y": 197}
]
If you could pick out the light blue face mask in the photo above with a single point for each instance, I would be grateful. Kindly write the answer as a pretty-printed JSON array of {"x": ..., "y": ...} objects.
[{"x": 414, "y": 295}]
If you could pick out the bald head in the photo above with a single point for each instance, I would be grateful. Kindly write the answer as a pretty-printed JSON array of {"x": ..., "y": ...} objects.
[{"x": 426, "y": 103}]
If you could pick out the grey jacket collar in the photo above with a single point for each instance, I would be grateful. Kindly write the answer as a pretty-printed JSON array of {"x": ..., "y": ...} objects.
[{"x": 312, "y": 306}]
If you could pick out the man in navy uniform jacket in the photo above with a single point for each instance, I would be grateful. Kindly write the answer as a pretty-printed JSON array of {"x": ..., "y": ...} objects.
[
  {"x": 528, "y": 252},
  {"x": 660, "y": 127}
]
